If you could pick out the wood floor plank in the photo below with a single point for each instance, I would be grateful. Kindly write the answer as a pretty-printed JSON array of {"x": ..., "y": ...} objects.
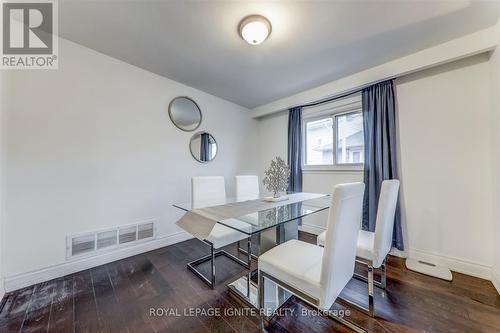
[
  {"x": 62, "y": 311},
  {"x": 163, "y": 295},
  {"x": 146, "y": 296},
  {"x": 86, "y": 316},
  {"x": 14, "y": 311},
  {"x": 137, "y": 319},
  {"x": 38, "y": 312},
  {"x": 304, "y": 318},
  {"x": 239, "y": 322},
  {"x": 211, "y": 297},
  {"x": 111, "y": 316}
]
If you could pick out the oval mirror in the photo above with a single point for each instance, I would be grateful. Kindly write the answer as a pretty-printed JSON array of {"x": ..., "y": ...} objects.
[
  {"x": 184, "y": 113},
  {"x": 203, "y": 147}
]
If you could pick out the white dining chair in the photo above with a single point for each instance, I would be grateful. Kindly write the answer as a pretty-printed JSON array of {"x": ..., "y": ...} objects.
[
  {"x": 315, "y": 274},
  {"x": 247, "y": 187},
  {"x": 373, "y": 247},
  {"x": 208, "y": 191}
]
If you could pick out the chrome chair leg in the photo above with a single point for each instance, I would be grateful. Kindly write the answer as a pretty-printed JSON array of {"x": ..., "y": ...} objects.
[
  {"x": 383, "y": 277},
  {"x": 370, "y": 290},
  {"x": 245, "y": 252},
  {"x": 211, "y": 257},
  {"x": 249, "y": 252},
  {"x": 371, "y": 283},
  {"x": 383, "y": 282},
  {"x": 212, "y": 260},
  {"x": 262, "y": 311}
]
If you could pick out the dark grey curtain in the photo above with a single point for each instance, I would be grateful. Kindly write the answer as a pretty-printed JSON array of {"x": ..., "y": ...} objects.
[
  {"x": 295, "y": 149},
  {"x": 205, "y": 147},
  {"x": 379, "y": 119}
]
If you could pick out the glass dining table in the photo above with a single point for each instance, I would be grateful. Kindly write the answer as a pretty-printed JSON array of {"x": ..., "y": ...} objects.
[{"x": 271, "y": 223}]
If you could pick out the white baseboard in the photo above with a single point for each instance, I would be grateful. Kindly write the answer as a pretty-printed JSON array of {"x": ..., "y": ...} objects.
[
  {"x": 311, "y": 228},
  {"x": 467, "y": 267},
  {"x": 495, "y": 278},
  {"x": 398, "y": 253},
  {"x": 22, "y": 280}
]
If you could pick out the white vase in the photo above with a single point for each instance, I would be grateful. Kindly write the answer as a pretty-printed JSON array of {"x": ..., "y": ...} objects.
[{"x": 276, "y": 199}]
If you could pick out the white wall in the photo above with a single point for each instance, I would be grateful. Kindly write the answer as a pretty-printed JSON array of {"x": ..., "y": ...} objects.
[
  {"x": 272, "y": 140},
  {"x": 495, "y": 76},
  {"x": 497, "y": 105},
  {"x": 91, "y": 145},
  {"x": 445, "y": 141},
  {"x": 446, "y": 162},
  {"x": 2, "y": 209}
]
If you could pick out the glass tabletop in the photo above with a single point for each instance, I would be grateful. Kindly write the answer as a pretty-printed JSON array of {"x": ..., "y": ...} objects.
[
  {"x": 263, "y": 219},
  {"x": 188, "y": 205}
]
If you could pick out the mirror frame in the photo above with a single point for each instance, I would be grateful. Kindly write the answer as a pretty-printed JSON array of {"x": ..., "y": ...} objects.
[
  {"x": 172, "y": 119},
  {"x": 191, "y": 152}
]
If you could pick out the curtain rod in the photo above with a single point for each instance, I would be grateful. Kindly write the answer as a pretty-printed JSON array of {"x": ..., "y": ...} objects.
[
  {"x": 341, "y": 95},
  {"x": 330, "y": 99}
]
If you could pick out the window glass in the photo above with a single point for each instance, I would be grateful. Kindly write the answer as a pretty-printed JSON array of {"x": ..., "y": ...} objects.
[
  {"x": 350, "y": 138},
  {"x": 319, "y": 142}
]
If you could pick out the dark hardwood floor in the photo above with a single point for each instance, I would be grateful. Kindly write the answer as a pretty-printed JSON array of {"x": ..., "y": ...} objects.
[{"x": 122, "y": 296}]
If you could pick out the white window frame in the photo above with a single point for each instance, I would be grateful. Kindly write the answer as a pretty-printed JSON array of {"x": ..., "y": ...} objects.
[{"x": 336, "y": 108}]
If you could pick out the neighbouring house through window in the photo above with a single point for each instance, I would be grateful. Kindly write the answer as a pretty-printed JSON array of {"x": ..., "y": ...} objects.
[{"x": 333, "y": 136}]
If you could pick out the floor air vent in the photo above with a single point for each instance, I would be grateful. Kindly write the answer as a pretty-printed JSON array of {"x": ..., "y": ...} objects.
[
  {"x": 106, "y": 239},
  {"x": 128, "y": 234},
  {"x": 94, "y": 243},
  {"x": 82, "y": 244},
  {"x": 145, "y": 231}
]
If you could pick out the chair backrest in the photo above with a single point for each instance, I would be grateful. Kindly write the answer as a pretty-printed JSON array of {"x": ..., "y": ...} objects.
[
  {"x": 247, "y": 187},
  {"x": 341, "y": 237},
  {"x": 384, "y": 224},
  {"x": 210, "y": 189}
]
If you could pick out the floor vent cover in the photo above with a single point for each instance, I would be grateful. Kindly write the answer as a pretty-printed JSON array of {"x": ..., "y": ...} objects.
[
  {"x": 95, "y": 242},
  {"x": 128, "y": 234}
]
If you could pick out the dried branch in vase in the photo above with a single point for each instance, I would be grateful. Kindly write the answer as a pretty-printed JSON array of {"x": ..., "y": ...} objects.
[{"x": 277, "y": 176}]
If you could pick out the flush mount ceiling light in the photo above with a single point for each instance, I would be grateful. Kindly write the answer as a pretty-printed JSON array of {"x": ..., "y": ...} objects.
[{"x": 254, "y": 29}]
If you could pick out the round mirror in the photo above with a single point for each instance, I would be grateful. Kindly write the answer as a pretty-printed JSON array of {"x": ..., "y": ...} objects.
[
  {"x": 203, "y": 147},
  {"x": 184, "y": 113}
]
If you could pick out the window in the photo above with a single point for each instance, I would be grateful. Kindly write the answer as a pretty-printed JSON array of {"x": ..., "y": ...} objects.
[{"x": 334, "y": 140}]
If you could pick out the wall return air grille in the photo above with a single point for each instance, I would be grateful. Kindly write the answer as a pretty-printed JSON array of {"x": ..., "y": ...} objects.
[{"x": 95, "y": 242}]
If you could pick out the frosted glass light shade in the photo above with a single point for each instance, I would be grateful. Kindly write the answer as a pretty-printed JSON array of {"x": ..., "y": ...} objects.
[{"x": 255, "y": 29}]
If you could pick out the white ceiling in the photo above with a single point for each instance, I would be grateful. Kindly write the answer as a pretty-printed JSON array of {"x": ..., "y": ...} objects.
[{"x": 312, "y": 42}]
